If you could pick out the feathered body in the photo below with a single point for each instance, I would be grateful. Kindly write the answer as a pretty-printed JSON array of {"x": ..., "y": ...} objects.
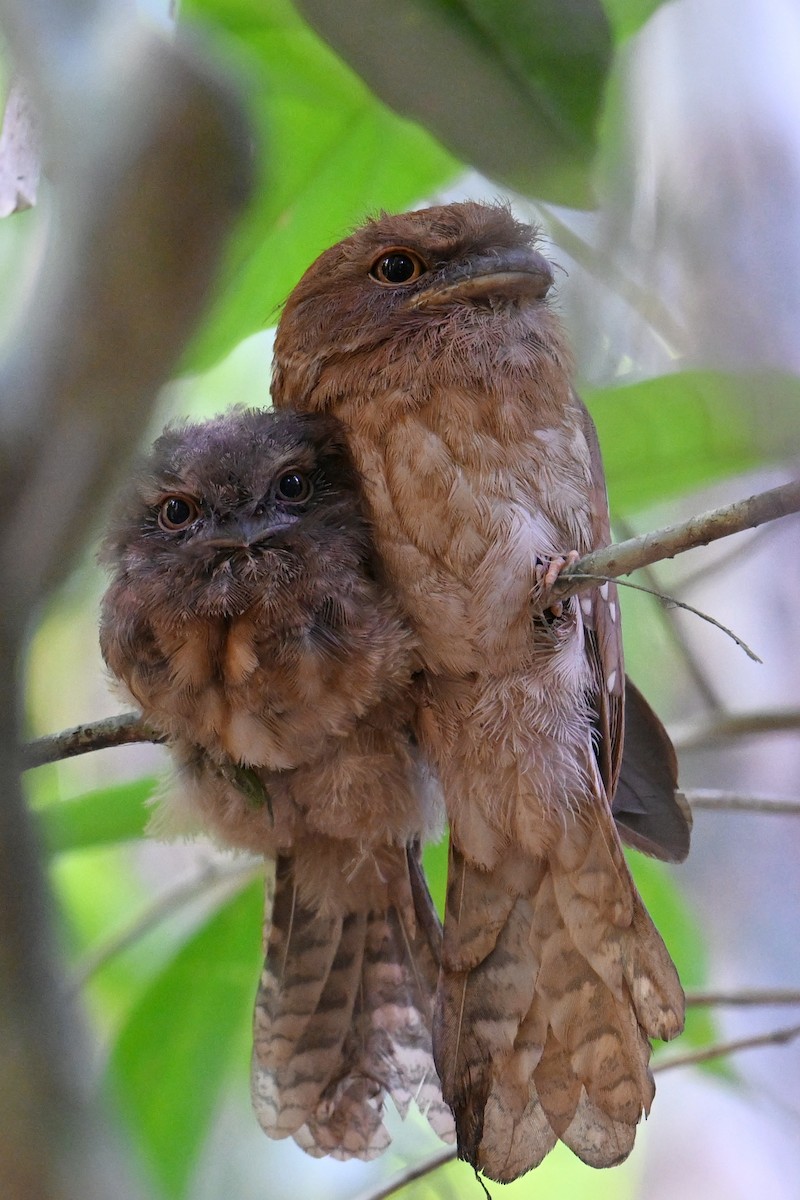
[
  {"x": 429, "y": 335},
  {"x": 245, "y": 619}
]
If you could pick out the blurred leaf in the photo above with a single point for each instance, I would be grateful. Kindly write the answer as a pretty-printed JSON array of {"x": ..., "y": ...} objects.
[
  {"x": 666, "y": 906},
  {"x": 332, "y": 155},
  {"x": 173, "y": 1056},
  {"x": 513, "y": 89},
  {"x": 114, "y": 814},
  {"x": 101, "y": 894},
  {"x": 665, "y": 436},
  {"x": 626, "y": 16}
]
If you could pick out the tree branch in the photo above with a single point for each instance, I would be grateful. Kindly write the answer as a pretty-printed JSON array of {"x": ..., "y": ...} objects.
[
  {"x": 213, "y": 875},
  {"x": 691, "y": 662},
  {"x": 747, "y": 997},
  {"x": 672, "y": 602},
  {"x": 735, "y": 726},
  {"x": 151, "y": 155},
  {"x": 638, "y": 552},
  {"x": 711, "y": 800},
  {"x": 123, "y": 730},
  {"x": 777, "y": 1037},
  {"x": 409, "y": 1175},
  {"x": 611, "y": 561}
]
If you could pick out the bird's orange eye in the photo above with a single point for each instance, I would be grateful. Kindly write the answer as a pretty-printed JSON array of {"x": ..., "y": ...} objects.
[
  {"x": 177, "y": 512},
  {"x": 397, "y": 266}
]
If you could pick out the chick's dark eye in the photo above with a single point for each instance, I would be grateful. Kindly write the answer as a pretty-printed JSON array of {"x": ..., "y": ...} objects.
[
  {"x": 177, "y": 512},
  {"x": 397, "y": 266},
  {"x": 294, "y": 487}
]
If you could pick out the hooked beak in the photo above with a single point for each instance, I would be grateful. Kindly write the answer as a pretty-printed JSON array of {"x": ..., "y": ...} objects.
[
  {"x": 246, "y": 534},
  {"x": 521, "y": 273}
]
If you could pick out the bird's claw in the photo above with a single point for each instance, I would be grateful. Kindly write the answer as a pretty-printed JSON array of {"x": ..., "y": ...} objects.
[{"x": 547, "y": 572}]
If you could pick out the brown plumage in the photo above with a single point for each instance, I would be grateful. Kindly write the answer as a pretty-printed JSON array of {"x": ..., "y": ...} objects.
[
  {"x": 245, "y": 619},
  {"x": 430, "y": 336}
]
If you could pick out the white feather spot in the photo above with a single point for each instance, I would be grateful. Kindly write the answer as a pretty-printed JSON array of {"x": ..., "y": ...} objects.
[
  {"x": 547, "y": 435},
  {"x": 612, "y": 679},
  {"x": 612, "y": 611},
  {"x": 604, "y": 591},
  {"x": 586, "y": 606}
]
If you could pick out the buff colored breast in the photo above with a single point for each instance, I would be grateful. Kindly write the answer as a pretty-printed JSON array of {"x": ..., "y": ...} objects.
[{"x": 461, "y": 519}]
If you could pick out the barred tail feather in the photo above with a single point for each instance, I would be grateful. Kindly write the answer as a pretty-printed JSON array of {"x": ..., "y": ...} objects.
[
  {"x": 545, "y": 1036},
  {"x": 364, "y": 1029}
]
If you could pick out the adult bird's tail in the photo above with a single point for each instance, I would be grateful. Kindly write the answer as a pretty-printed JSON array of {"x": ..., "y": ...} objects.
[{"x": 553, "y": 980}]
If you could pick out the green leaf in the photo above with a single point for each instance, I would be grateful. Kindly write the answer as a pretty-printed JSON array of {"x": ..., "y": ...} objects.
[
  {"x": 513, "y": 89},
  {"x": 666, "y": 906},
  {"x": 332, "y": 154},
  {"x": 114, "y": 814},
  {"x": 666, "y": 436},
  {"x": 173, "y": 1056},
  {"x": 626, "y": 16},
  {"x": 434, "y": 861}
]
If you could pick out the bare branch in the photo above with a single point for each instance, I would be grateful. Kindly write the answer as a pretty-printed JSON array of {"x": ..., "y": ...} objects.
[
  {"x": 712, "y": 800},
  {"x": 747, "y": 997},
  {"x": 723, "y": 728},
  {"x": 609, "y": 562},
  {"x": 151, "y": 155},
  {"x": 778, "y": 1037},
  {"x": 212, "y": 876},
  {"x": 694, "y": 667},
  {"x": 409, "y": 1175},
  {"x": 670, "y": 600},
  {"x": 630, "y": 555},
  {"x": 123, "y": 730},
  {"x": 707, "y": 569}
]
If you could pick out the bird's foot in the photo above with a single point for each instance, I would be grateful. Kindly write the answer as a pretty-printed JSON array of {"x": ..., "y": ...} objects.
[{"x": 546, "y": 573}]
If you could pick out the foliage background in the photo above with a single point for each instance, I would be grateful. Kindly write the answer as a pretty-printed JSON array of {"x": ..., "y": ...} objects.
[{"x": 682, "y": 303}]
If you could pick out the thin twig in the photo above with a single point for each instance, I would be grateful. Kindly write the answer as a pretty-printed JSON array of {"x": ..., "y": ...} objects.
[
  {"x": 778, "y": 1037},
  {"x": 409, "y": 1175},
  {"x": 712, "y": 800},
  {"x": 642, "y": 300},
  {"x": 726, "y": 558},
  {"x": 610, "y": 562},
  {"x": 675, "y": 632},
  {"x": 122, "y": 730},
  {"x": 724, "y": 728},
  {"x": 747, "y": 997},
  {"x": 165, "y": 906},
  {"x": 638, "y": 587},
  {"x": 634, "y": 553}
]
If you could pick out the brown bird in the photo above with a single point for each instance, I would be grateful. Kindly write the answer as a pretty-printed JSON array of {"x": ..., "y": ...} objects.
[
  {"x": 430, "y": 336},
  {"x": 245, "y": 618}
]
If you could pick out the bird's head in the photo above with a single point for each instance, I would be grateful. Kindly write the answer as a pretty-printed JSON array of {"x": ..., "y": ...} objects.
[
  {"x": 410, "y": 287},
  {"x": 242, "y": 508}
]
